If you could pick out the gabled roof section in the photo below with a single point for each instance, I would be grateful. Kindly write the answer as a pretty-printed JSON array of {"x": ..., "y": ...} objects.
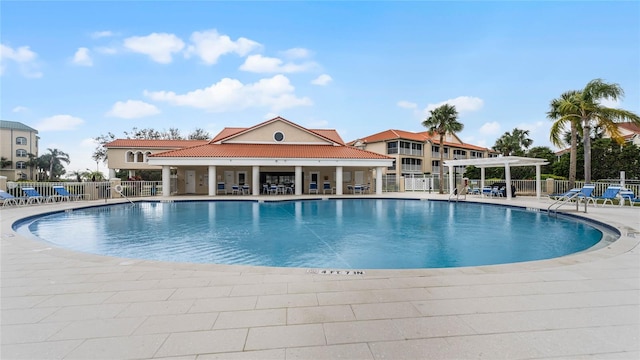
[
  {"x": 229, "y": 134},
  {"x": 267, "y": 151},
  {"x": 14, "y": 125},
  {"x": 148, "y": 143},
  {"x": 629, "y": 126},
  {"x": 393, "y": 134}
]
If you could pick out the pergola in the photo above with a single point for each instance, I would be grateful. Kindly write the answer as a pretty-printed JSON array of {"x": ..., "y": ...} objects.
[{"x": 505, "y": 161}]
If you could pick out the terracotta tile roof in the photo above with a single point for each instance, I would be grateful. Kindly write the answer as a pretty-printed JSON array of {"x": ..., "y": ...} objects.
[
  {"x": 282, "y": 151},
  {"x": 145, "y": 143},
  {"x": 227, "y": 132},
  {"x": 394, "y": 134},
  {"x": 330, "y": 134},
  {"x": 630, "y": 127}
]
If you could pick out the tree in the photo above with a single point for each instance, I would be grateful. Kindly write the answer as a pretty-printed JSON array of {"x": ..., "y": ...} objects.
[
  {"x": 199, "y": 134},
  {"x": 588, "y": 108},
  {"x": 561, "y": 120},
  {"x": 513, "y": 143},
  {"x": 56, "y": 157},
  {"x": 4, "y": 162},
  {"x": 443, "y": 120}
]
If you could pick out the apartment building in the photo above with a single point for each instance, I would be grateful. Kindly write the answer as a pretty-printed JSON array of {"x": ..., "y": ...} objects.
[
  {"x": 17, "y": 141},
  {"x": 419, "y": 153}
]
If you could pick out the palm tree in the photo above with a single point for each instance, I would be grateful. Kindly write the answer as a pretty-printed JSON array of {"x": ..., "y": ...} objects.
[
  {"x": 56, "y": 157},
  {"x": 512, "y": 143},
  {"x": 558, "y": 126},
  {"x": 587, "y": 107},
  {"x": 4, "y": 162},
  {"x": 443, "y": 120}
]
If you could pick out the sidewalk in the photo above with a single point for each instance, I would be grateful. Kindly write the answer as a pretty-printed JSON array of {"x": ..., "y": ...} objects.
[{"x": 59, "y": 304}]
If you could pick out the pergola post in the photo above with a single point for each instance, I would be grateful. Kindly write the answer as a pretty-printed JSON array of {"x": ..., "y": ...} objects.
[
  {"x": 213, "y": 184},
  {"x": 451, "y": 179},
  {"x": 507, "y": 178},
  {"x": 538, "y": 181},
  {"x": 166, "y": 180}
]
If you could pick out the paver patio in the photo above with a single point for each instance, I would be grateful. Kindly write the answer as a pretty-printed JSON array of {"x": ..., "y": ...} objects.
[{"x": 61, "y": 304}]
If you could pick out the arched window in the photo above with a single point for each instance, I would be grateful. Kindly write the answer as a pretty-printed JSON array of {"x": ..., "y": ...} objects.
[
  {"x": 139, "y": 157},
  {"x": 21, "y": 165},
  {"x": 21, "y": 140},
  {"x": 146, "y": 156},
  {"x": 129, "y": 157},
  {"x": 21, "y": 153}
]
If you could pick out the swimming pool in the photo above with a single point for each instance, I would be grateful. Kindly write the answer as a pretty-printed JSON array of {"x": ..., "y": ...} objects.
[{"x": 344, "y": 234}]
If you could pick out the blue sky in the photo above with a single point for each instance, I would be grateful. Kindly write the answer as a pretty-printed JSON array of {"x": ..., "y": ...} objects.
[{"x": 76, "y": 70}]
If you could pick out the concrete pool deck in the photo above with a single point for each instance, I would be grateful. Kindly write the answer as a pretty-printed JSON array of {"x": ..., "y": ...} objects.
[{"x": 60, "y": 304}]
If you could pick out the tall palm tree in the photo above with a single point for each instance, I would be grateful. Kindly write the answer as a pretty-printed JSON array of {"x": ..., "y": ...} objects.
[
  {"x": 56, "y": 157},
  {"x": 587, "y": 106},
  {"x": 443, "y": 120},
  {"x": 513, "y": 143},
  {"x": 557, "y": 129}
]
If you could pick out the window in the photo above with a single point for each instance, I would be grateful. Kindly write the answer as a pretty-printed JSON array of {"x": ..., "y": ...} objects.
[
  {"x": 21, "y": 165},
  {"x": 392, "y": 167},
  {"x": 435, "y": 149},
  {"x": 21, "y": 153},
  {"x": 21, "y": 140},
  {"x": 459, "y": 152},
  {"x": 392, "y": 148},
  {"x": 278, "y": 136}
]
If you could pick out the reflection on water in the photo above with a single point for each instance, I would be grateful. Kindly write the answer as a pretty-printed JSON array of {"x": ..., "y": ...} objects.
[{"x": 353, "y": 233}]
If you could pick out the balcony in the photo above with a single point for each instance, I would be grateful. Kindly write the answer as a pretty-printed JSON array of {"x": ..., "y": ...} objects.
[
  {"x": 411, "y": 152},
  {"x": 412, "y": 168}
]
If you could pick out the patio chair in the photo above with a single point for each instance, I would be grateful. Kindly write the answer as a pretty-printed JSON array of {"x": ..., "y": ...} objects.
[
  {"x": 496, "y": 191},
  {"x": 609, "y": 194},
  {"x": 326, "y": 186},
  {"x": 8, "y": 199},
  {"x": 486, "y": 191},
  {"x": 235, "y": 190},
  {"x": 585, "y": 193},
  {"x": 313, "y": 187},
  {"x": 350, "y": 188},
  {"x": 34, "y": 197},
  {"x": 246, "y": 189},
  {"x": 273, "y": 189},
  {"x": 565, "y": 195},
  {"x": 63, "y": 194},
  {"x": 221, "y": 188}
]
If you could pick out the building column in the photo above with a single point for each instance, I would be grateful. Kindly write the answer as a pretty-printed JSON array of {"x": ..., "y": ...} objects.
[
  {"x": 507, "y": 178},
  {"x": 255, "y": 180},
  {"x": 132, "y": 174},
  {"x": 298, "y": 180},
  {"x": 338, "y": 180},
  {"x": 379, "y": 180},
  {"x": 112, "y": 173},
  {"x": 481, "y": 178},
  {"x": 213, "y": 185},
  {"x": 166, "y": 180}
]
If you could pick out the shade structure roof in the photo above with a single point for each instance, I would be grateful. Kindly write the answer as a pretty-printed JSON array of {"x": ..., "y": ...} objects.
[{"x": 501, "y": 161}]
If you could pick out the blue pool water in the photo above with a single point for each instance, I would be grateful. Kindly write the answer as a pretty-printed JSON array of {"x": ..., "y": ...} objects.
[{"x": 344, "y": 234}]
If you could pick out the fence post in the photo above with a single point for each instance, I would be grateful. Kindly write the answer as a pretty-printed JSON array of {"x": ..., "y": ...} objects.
[{"x": 551, "y": 189}]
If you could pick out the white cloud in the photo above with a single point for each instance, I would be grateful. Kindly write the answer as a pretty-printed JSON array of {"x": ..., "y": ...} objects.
[
  {"x": 209, "y": 46},
  {"x": 18, "y": 109},
  {"x": 23, "y": 56},
  {"x": 490, "y": 128},
  {"x": 263, "y": 64},
  {"x": 462, "y": 104},
  {"x": 407, "y": 104},
  {"x": 59, "y": 123},
  {"x": 610, "y": 103},
  {"x": 132, "y": 109},
  {"x": 231, "y": 95},
  {"x": 296, "y": 53},
  {"x": 322, "y": 80},
  {"x": 159, "y": 46},
  {"x": 82, "y": 57},
  {"x": 106, "y": 50},
  {"x": 101, "y": 34}
]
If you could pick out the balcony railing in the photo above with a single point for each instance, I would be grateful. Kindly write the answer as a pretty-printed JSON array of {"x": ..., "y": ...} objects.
[
  {"x": 412, "y": 152},
  {"x": 412, "y": 168}
]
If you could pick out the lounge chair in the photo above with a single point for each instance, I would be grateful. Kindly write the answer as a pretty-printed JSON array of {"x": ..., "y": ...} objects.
[
  {"x": 221, "y": 188},
  {"x": 34, "y": 197},
  {"x": 326, "y": 186},
  {"x": 313, "y": 188},
  {"x": 63, "y": 194},
  {"x": 350, "y": 188},
  {"x": 628, "y": 195},
  {"x": 608, "y": 196},
  {"x": 8, "y": 199},
  {"x": 565, "y": 195}
]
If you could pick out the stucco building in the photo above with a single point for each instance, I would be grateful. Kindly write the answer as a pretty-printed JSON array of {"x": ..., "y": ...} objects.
[
  {"x": 17, "y": 141},
  {"x": 276, "y": 151}
]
